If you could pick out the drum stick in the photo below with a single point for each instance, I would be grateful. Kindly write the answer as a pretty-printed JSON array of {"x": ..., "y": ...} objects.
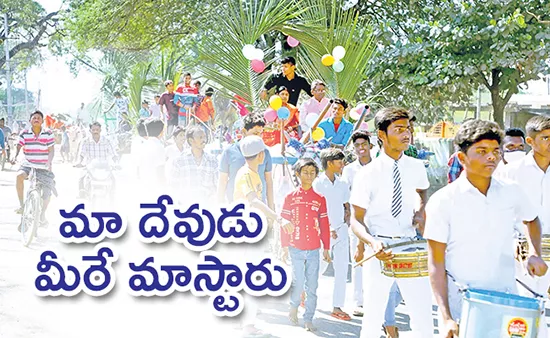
[
  {"x": 305, "y": 137},
  {"x": 385, "y": 248},
  {"x": 360, "y": 263}
]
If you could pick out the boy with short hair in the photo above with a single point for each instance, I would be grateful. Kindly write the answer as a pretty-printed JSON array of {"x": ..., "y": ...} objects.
[
  {"x": 337, "y": 194},
  {"x": 477, "y": 203},
  {"x": 307, "y": 223},
  {"x": 248, "y": 187}
]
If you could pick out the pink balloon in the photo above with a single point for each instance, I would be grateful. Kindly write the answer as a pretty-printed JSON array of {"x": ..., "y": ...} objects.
[
  {"x": 364, "y": 126},
  {"x": 292, "y": 42},
  {"x": 270, "y": 115},
  {"x": 242, "y": 109},
  {"x": 360, "y": 107},
  {"x": 257, "y": 65}
]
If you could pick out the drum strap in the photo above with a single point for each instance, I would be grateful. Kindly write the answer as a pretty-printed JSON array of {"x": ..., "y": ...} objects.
[
  {"x": 536, "y": 294},
  {"x": 464, "y": 288}
]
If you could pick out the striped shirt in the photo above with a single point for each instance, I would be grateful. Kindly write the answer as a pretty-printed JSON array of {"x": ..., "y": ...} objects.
[{"x": 36, "y": 149}]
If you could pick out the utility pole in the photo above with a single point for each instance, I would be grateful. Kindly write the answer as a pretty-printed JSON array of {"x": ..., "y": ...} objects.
[
  {"x": 26, "y": 96},
  {"x": 8, "y": 71},
  {"x": 478, "y": 110}
]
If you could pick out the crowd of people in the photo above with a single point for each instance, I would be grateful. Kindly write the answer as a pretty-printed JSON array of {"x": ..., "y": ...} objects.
[{"x": 357, "y": 209}]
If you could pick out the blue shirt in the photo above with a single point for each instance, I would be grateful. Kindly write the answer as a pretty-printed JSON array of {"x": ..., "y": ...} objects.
[
  {"x": 344, "y": 131},
  {"x": 232, "y": 160},
  {"x": 2, "y": 140}
]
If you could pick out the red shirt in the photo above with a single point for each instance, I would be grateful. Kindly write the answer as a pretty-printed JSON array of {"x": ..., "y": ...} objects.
[
  {"x": 307, "y": 210},
  {"x": 336, "y": 126}
]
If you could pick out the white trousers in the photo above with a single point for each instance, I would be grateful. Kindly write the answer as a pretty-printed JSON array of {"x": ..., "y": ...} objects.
[
  {"x": 376, "y": 289},
  {"x": 357, "y": 275},
  {"x": 539, "y": 285},
  {"x": 340, "y": 262}
]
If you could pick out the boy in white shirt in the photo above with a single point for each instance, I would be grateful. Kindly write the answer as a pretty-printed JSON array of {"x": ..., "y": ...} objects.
[
  {"x": 472, "y": 220},
  {"x": 384, "y": 213},
  {"x": 533, "y": 176},
  {"x": 337, "y": 193}
]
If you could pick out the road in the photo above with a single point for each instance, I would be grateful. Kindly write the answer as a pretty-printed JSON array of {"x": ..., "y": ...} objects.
[{"x": 23, "y": 314}]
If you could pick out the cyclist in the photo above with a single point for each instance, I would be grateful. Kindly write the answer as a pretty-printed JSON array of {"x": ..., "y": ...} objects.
[
  {"x": 7, "y": 134},
  {"x": 96, "y": 147},
  {"x": 38, "y": 147}
]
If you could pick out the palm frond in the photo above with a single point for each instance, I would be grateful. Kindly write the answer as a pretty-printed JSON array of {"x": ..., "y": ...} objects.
[
  {"x": 244, "y": 22},
  {"x": 323, "y": 26}
]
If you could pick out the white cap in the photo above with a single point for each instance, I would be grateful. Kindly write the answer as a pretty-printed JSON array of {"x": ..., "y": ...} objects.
[{"x": 251, "y": 145}]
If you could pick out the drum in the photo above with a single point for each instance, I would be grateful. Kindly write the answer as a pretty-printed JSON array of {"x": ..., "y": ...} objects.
[
  {"x": 546, "y": 247},
  {"x": 498, "y": 314},
  {"x": 522, "y": 248},
  {"x": 410, "y": 260}
]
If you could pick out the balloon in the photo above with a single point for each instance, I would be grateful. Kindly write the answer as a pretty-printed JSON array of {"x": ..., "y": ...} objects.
[
  {"x": 248, "y": 51},
  {"x": 270, "y": 115},
  {"x": 311, "y": 119},
  {"x": 327, "y": 60},
  {"x": 354, "y": 114},
  {"x": 257, "y": 65},
  {"x": 364, "y": 126},
  {"x": 318, "y": 134},
  {"x": 360, "y": 107},
  {"x": 243, "y": 111},
  {"x": 338, "y": 66},
  {"x": 275, "y": 102},
  {"x": 283, "y": 113},
  {"x": 292, "y": 42},
  {"x": 258, "y": 54},
  {"x": 339, "y": 52}
]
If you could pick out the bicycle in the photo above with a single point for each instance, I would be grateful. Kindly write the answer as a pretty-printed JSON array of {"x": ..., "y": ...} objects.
[{"x": 32, "y": 210}]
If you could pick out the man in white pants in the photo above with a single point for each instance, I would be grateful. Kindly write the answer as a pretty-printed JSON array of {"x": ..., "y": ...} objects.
[
  {"x": 533, "y": 176},
  {"x": 383, "y": 213},
  {"x": 337, "y": 193},
  {"x": 362, "y": 145}
]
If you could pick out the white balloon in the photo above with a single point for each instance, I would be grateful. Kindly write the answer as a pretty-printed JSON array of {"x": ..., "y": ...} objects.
[
  {"x": 311, "y": 119},
  {"x": 258, "y": 54},
  {"x": 338, "y": 52},
  {"x": 338, "y": 66},
  {"x": 248, "y": 51}
]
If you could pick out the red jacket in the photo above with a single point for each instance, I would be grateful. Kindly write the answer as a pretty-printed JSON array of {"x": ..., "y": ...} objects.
[{"x": 307, "y": 211}]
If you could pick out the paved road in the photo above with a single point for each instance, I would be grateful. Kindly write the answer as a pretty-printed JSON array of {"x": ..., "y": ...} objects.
[{"x": 22, "y": 314}]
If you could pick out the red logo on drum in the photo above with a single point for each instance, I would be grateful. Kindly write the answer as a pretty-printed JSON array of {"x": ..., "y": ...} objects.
[{"x": 517, "y": 328}]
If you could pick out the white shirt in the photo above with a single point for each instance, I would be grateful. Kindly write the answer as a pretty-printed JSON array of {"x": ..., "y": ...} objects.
[
  {"x": 311, "y": 106},
  {"x": 478, "y": 231},
  {"x": 155, "y": 111},
  {"x": 375, "y": 195},
  {"x": 150, "y": 158},
  {"x": 350, "y": 171},
  {"x": 536, "y": 185},
  {"x": 172, "y": 151},
  {"x": 336, "y": 193}
]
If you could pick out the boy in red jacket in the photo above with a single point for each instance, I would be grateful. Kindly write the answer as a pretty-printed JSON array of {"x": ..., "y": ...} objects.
[{"x": 306, "y": 213}]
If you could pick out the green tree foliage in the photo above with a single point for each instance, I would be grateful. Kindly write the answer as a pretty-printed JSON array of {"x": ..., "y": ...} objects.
[
  {"x": 30, "y": 27},
  {"x": 438, "y": 52}
]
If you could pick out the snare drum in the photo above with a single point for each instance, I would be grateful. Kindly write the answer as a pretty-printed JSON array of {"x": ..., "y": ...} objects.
[
  {"x": 498, "y": 314},
  {"x": 522, "y": 248},
  {"x": 410, "y": 260}
]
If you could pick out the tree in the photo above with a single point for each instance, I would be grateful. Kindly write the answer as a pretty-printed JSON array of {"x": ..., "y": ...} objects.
[
  {"x": 29, "y": 26},
  {"x": 449, "y": 48},
  {"x": 131, "y": 25},
  {"x": 323, "y": 25}
]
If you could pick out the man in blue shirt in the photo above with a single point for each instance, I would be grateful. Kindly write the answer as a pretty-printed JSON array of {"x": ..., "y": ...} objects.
[
  {"x": 232, "y": 160},
  {"x": 337, "y": 129}
]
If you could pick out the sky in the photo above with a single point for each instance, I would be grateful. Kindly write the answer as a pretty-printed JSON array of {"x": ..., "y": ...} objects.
[{"x": 61, "y": 92}]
